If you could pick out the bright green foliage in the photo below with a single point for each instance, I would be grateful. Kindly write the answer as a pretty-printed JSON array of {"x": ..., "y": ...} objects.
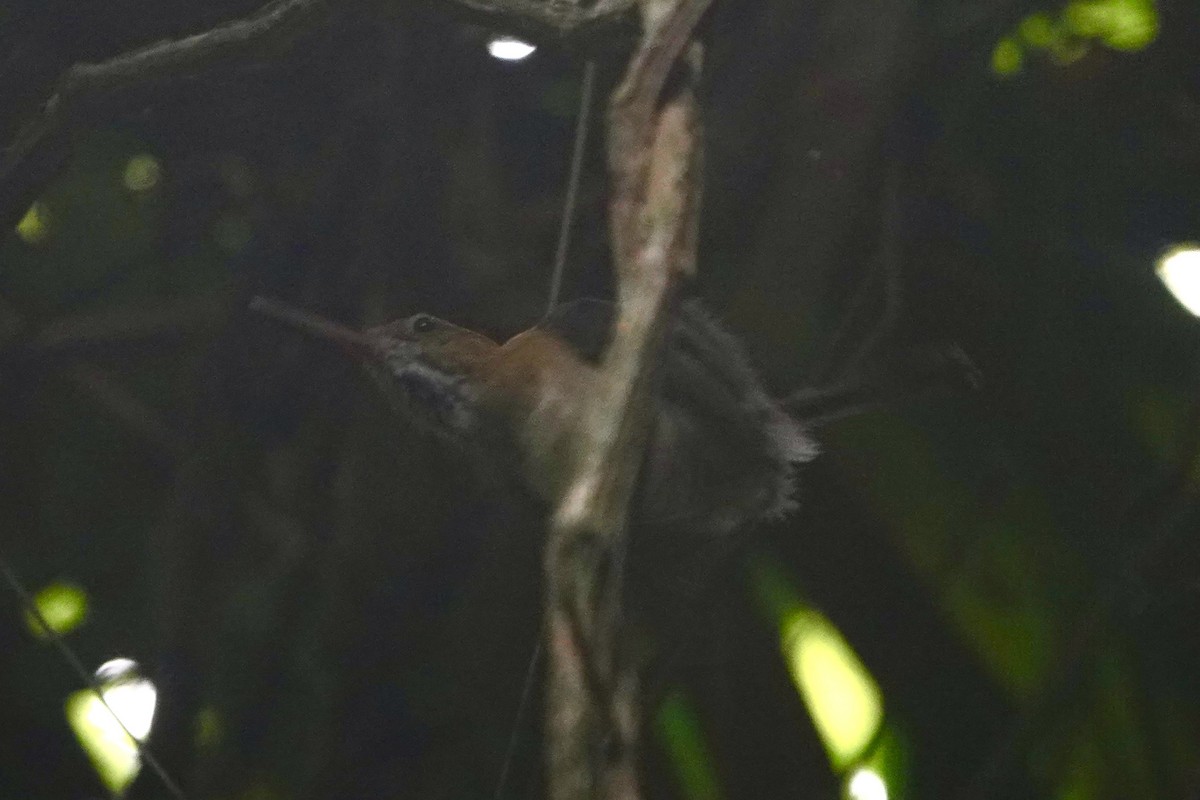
[
  {"x": 105, "y": 724},
  {"x": 1039, "y": 30},
  {"x": 34, "y": 227},
  {"x": 1007, "y": 58},
  {"x": 841, "y": 696},
  {"x": 681, "y": 736},
  {"x": 63, "y": 606},
  {"x": 1124, "y": 25},
  {"x": 112, "y": 752}
]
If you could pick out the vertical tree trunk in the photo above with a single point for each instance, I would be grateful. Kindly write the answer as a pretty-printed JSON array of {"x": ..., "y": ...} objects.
[{"x": 593, "y": 708}]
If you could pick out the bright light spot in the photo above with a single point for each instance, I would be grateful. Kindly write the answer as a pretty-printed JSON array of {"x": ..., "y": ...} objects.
[
  {"x": 132, "y": 698},
  {"x": 1179, "y": 270},
  {"x": 63, "y": 606},
  {"x": 508, "y": 48},
  {"x": 866, "y": 784},
  {"x": 1007, "y": 58},
  {"x": 34, "y": 227},
  {"x": 843, "y": 699},
  {"x": 115, "y": 669},
  {"x": 841, "y": 696},
  {"x": 142, "y": 173},
  {"x": 134, "y": 704}
]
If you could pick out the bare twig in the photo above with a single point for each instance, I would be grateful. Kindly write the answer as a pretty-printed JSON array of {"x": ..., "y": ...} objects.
[
  {"x": 275, "y": 25},
  {"x": 41, "y": 148},
  {"x": 592, "y": 709},
  {"x": 572, "y": 195},
  {"x": 552, "y": 18},
  {"x": 510, "y": 751},
  {"x": 883, "y": 270},
  {"x": 889, "y": 257}
]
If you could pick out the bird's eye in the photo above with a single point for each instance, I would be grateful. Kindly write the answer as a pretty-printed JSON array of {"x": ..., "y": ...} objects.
[{"x": 423, "y": 323}]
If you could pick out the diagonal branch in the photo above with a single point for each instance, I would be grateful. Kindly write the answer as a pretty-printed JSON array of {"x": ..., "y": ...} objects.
[
  {"x": 654, "y": 160},
  {"x": 275, "y": 25},
  {"x": 42, "y": 146}
]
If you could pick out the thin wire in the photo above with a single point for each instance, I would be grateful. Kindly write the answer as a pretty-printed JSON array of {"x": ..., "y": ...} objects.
[
  {"x": 884, "y": 270},
  {"x": 89, "y": 679},
  {"x": 889, "y": 256},
  {"x": 522, "y": 707},
  {"x": 582, "y": 122}
]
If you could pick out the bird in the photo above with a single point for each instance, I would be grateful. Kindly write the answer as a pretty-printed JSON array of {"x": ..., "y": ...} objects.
[{"x": 722, "y": 453}]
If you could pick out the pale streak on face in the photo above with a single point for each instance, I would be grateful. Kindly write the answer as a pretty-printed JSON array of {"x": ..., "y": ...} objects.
[{"x": 443, "y": 401}]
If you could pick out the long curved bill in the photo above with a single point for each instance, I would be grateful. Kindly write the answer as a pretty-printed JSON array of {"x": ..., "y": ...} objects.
[{"x": 355, "y": 343}]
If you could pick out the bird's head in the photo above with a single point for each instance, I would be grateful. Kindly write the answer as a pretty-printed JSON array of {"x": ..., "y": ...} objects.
[
  {"x": 431, "y": 369},
  {"x": 428, "y": 368}
]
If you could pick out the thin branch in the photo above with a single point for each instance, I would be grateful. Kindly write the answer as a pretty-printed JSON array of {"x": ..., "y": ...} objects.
[
  {"x": 41, "y": 148},
  {"x": 883, "y": 270},
  {"x": 510, "y": 752},
  {"x": 572, "y": 195},
  {"x": 889, "y": 258},
  {"x": 592, "y": 708},
  {"x": 276, "y": 24},
  {"x": 550, "y": 18}
]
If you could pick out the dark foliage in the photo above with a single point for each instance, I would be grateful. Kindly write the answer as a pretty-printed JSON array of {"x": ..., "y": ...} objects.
[{"x": 1016, "y": 567}]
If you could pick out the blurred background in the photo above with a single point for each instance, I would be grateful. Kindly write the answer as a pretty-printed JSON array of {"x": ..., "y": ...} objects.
[{"x": 983, "y": 595}]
